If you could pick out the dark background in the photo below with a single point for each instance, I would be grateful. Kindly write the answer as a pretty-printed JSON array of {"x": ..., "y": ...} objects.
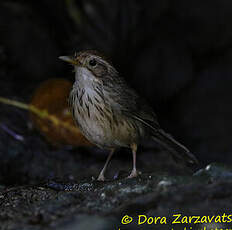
[{"x": 177, "y": 54}]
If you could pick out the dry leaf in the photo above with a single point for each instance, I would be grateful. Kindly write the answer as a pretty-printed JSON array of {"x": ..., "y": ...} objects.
[{"x": 55, "y": 121}]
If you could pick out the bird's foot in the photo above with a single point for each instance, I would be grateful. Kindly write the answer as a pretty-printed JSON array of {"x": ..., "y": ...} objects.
[
  {"x": 101, "y": 177},
  {"x": 133, "y": 174}
]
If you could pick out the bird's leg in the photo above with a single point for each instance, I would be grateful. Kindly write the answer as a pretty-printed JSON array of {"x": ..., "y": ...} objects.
[
  {"x": 101, "y": 176},
  {"x": 134, "y": 171}
]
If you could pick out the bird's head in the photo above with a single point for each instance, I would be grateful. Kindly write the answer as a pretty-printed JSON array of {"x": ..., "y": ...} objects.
[{"x": 91, "y": 62}]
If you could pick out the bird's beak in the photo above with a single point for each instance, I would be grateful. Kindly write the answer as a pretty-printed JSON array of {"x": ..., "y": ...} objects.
[{"x": 70, "y": 60}]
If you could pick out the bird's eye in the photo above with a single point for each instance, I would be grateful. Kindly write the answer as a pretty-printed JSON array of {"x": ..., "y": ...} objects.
[{"x": 92, "y": 62}]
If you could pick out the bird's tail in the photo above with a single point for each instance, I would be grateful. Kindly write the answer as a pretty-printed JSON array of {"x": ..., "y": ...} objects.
[{"x": 178, "y": 151}]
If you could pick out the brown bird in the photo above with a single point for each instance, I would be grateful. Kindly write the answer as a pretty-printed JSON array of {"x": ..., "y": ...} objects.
[{"x": 110, "y": 114}]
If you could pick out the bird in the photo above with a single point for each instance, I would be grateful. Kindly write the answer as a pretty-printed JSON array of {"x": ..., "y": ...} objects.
[{"x": 111, "y": 114}]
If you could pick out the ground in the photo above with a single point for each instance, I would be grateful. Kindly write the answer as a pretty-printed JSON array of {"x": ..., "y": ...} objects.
[{"x": 58, "y": 190}]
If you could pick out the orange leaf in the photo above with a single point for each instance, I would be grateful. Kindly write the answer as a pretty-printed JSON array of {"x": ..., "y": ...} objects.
[{"x": 56, "y": 122}]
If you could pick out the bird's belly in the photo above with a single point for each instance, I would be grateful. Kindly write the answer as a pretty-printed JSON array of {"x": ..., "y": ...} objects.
[
  {"x": 105, "y": 133},
  {"x": 94, "y": 131},
  {"x": 99, "y": 124}
]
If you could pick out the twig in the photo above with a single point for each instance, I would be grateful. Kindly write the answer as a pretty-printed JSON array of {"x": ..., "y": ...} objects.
[{"x": 40, "y": 113}]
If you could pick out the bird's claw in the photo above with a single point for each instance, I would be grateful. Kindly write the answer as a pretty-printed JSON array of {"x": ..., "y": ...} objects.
[
  {"x": 101, "y": 178},
  {"x": 133, "y": 174}
]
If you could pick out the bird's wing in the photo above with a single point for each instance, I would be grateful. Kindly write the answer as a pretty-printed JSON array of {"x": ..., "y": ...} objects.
[
  {"x": 129, "y": 103},
  {"x": 145, "y": 114}
]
